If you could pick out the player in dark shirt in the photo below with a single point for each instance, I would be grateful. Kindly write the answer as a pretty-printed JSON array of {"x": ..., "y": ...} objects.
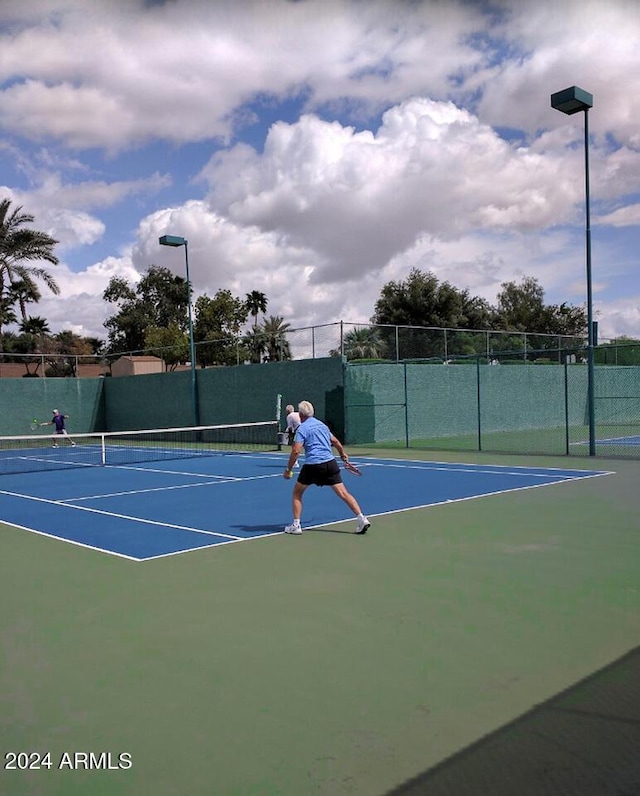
[{"x": 58, "y": 420}]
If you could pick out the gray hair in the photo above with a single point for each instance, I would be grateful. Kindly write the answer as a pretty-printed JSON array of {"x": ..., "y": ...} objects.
[
  {"x": 288, "y": 409},
  {"x": 306, "y": 408}
]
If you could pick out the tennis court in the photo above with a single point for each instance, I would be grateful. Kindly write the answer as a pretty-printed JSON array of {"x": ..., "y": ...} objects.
[
  {"x": 481, "y": 638},
  {"x": 154, "y": 497}
]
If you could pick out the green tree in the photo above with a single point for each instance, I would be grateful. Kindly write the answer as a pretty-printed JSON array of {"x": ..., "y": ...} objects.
[
  {"x": 216, "y": 328},
  {"x": 621, "y": 350},
  {"x": 276, "y": 346},
  {"x": 160, "y": 299},
  {"x": 7, "y": 313},
  {"x": 363, "y": 343},
  {"x": 64, "y": 351},
  {"x": 521, "y": 308},
  {"x": 20, "y": 245},
  {"x": 170, "y": 343},
  {"x": 254, "y": 343},
  {"x": 256, "y": 303},
  {"x": 28, "y": 345},
  {"x": 96, "y": 344},
  {"x": 422, "y": 301},
  {"x": 563, "y": 319},
  {"x": 35, "y": 325},
  {"x": 24, "y": 292}
]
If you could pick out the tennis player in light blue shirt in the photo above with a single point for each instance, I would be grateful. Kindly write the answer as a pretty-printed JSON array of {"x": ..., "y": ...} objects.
[{"x": 320, "y": 467}]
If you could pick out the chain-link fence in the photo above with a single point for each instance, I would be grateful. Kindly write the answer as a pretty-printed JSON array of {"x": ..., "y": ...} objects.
[
  {"x": 354, "y": 342},
  {"x": 533, "y": 402}
]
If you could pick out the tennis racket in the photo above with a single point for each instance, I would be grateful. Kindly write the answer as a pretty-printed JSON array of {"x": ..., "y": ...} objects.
[
  {"x": 34, "y": 424},
  {"x": 352, "y": 468}
]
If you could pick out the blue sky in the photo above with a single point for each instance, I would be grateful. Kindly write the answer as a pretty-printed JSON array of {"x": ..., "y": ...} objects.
[{"x": 316, "y": 150}]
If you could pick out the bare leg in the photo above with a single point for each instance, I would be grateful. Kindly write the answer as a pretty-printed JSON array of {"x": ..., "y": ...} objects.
[
  {"x": 296, "y": 501},
  {"x": 343, "y": 494}
]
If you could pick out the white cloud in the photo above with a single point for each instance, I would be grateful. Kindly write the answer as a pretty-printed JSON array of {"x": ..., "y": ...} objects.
[
  {"x": 359, "y": 199},
  {"x": 622, "y": 318},
  {"x": 80, "y": 307},
  {"x": 236, "y": 50},
  {"x": 328, "y": 211},
  {"x": 628, "y": 216},
  {"x": 60, "y": 209}
]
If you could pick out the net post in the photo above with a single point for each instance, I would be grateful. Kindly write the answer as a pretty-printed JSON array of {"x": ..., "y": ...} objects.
[
  {"x": 278, "y": 420},
  {"x": 103, "y": 450}
]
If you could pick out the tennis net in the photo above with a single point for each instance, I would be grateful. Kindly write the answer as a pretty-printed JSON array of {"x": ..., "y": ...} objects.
[{"x": 21, "y": 454}]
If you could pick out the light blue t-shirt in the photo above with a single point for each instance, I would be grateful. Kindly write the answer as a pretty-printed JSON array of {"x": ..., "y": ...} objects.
[{"x": 316, "y": 440}]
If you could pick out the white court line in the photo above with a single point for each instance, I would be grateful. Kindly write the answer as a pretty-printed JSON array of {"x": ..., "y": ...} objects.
[
  {"x": 473, "y": 466},
  {"x": 454, "y": 469},
  {"x": 60, "y": 464},
  {"x": 588, "y": 474},
  {"x": 634, "y": 439},
  {"x": 118, "y": 516},
  {"x": 140, "y": 469},
  {"x": 213, "y": 544},
  {"x": 169, "y": 488},
  {"x": 232, "y": 539},
  {"x": 84, "y": 544}
]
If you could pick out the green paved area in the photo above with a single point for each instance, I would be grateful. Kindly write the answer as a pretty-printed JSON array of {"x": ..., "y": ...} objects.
[{"x": 482, "y": 647}]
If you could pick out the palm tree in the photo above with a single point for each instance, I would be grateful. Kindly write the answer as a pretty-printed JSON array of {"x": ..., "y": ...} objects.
[
  {"x": 18, "y": 245},
  {"x": 24, "y": 292},
  {"x": 7, "y": 313},
  {"x": 255, "y": 344},
  {"x": 273, "y": 332},
  {"x": 363, "y": 343},
  {"x": 256, "y": 303},
  {"x": 36, "y": 326}
]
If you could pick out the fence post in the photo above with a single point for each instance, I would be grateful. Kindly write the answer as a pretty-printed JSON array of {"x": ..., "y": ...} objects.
[
  {"x": 566, "y": 406},
  {"x": 479, "y": 409},
  {"x": 406, "y": 409}
]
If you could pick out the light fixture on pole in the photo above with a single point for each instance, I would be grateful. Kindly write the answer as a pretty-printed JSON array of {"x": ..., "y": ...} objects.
[
  {"x": 176, "y": 240},
  {"x": 573, "y": 100}
]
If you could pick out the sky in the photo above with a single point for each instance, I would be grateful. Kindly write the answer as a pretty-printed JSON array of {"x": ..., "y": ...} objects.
[{"x": 316, "y": 150}]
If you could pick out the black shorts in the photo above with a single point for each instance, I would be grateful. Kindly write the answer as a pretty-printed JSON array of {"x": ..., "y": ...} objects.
[{"x": 325, "y": 474}]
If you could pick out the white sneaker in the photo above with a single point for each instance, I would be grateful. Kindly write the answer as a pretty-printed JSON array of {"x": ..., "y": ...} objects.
[
  {"x": 293, "y": 528},
  {"x": 363, "y": 525}
]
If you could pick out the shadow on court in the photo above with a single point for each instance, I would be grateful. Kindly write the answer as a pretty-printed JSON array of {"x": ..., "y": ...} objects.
[
  {"x": 583, "y": 742},
  {"x": 261, "y": 528}
]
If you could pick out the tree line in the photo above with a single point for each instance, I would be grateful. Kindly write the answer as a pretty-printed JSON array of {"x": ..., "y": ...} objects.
[
  {"x": 152, "y": 315},
  {"x": 422, "y": 300}
]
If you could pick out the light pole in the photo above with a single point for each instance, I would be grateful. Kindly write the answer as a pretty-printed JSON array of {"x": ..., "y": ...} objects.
[
  {"x": 573, "y": 100},
  {"x": 175, "y": 240}
]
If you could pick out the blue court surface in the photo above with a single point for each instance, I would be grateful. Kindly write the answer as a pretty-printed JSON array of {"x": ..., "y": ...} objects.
[
  {"x": 160, "y": 509},
  {"x": 629, "y": 440}
]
